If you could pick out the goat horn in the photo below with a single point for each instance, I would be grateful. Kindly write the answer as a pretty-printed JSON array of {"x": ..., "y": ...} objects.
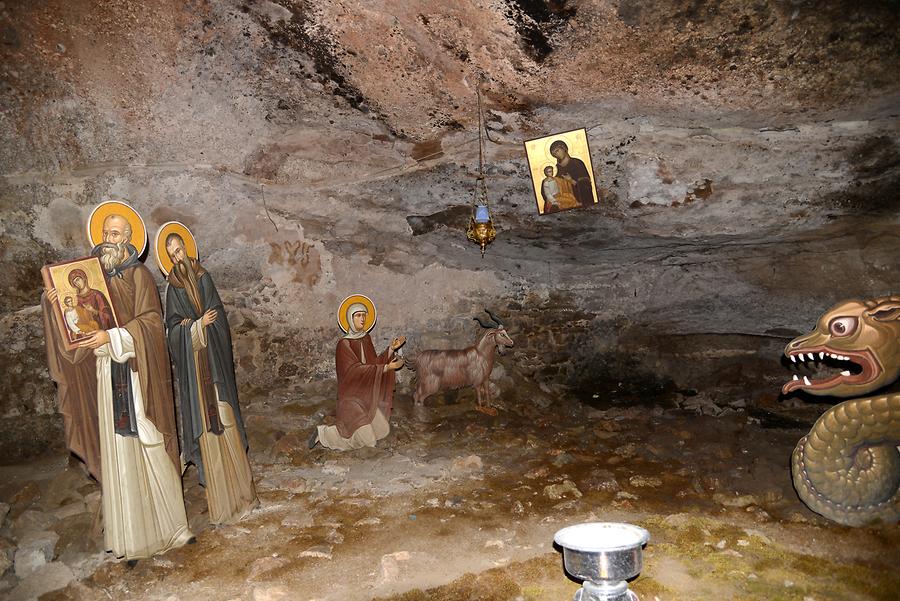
[
  {"x": 482, "y": 324},
  {"x": 495, "y": 318}
]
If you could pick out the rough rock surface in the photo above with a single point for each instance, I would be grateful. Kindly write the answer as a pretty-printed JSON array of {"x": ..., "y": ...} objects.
[
  {"x": 735, "y": 149},
  {"x": 33, "y": 551},
  {"x": 747, "y": 157},
  {"x": 47, "y": 578}
]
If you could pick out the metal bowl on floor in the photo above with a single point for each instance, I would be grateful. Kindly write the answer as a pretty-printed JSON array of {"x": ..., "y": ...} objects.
[{"x": 602, "y": 551}]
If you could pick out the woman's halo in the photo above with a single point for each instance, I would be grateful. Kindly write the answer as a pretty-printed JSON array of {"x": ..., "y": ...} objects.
[{"x": 356, "y": 298}]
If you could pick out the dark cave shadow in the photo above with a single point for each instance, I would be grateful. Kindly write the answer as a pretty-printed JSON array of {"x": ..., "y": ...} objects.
[{"x": 815, "y": 399}]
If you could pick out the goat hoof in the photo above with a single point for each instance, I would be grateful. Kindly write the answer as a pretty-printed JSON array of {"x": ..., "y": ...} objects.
[{"x": 486, "y": 410}]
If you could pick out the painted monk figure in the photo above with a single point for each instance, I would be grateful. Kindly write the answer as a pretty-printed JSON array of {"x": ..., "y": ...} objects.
[
  {"x": 365, "y": 386},
  {"x": 115, "y": 394},
  {"x": 212, "y": 427}
]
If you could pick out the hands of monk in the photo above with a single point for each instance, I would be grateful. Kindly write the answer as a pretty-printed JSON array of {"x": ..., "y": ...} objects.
[
  {"x": 52, "y": 294},
  {"x": 95, "y": 340},
  {"x": 394, "y": 365},
  {"x": 398, "y": 342},
  {"x": 209, "y": 317}
]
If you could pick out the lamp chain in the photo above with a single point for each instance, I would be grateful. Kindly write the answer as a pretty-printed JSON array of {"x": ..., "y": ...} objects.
[{"x": 480, "y": 184}]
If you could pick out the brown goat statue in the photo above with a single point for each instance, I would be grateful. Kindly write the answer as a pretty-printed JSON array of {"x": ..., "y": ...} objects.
[{"x": 447, "y": 370}]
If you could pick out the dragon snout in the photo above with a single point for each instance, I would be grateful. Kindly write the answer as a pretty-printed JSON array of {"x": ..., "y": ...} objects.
[{"x": 802, "y": 342}]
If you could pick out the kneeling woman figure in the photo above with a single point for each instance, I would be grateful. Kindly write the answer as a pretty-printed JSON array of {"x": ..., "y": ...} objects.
[{"x": 365, "y": 381}]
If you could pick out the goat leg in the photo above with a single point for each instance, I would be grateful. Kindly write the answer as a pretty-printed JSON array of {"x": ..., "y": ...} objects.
[
  {"x": 484, "y": 393},
  {"x": 418, "y": 397},
  {"x": 484, "y": 396}
]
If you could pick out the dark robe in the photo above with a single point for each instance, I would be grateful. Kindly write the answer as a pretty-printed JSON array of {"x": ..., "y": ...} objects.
[
  {"x": 576, "y": 169},
  {"x": 363, "y": 387},
  {"x": 216, "y": 362},
  {"x": 95, "y": 299},
  {"x": 135, "y": 298}
]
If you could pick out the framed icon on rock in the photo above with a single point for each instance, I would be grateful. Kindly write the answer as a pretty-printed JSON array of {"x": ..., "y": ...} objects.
[{"x": 561, "y": 171}]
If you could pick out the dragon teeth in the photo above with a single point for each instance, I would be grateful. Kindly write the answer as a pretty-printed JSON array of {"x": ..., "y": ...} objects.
[
  {"x": 796, "y": 377},
  {"x": 806, "y": 381},
  {"x": 821, "y": 355},
  {"x": 793, "y": 358},
  {"x": 845, "y": 373}
]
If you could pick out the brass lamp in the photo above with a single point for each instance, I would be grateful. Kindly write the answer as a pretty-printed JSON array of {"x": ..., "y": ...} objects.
[{"x": 481, "y": 226}]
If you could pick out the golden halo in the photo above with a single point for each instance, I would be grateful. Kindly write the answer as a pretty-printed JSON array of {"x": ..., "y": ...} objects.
[
  {"x": 356, "y": 298},
  {"x": 117, "y": 207},
  {"x": 190, "y": 244},
  {"x": 554, "y": 161}
]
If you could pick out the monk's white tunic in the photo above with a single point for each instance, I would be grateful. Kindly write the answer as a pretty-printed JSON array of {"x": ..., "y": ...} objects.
[{"x": 143, "y": 505}]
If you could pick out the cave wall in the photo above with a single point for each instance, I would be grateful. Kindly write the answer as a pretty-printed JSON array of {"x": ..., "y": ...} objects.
[{"x": 748, "y": 162}]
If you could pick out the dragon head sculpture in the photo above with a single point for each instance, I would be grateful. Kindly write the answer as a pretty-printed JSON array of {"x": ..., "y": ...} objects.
[
  {"x": 847, "y": 468},
  {"x": 861, "y": 339}
]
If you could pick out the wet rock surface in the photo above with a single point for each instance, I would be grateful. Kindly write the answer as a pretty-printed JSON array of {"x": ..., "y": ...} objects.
[{"x": 404, "y": 516}]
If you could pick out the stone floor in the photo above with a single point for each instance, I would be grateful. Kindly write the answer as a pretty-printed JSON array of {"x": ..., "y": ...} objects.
[{"x": 456, "y": 505}]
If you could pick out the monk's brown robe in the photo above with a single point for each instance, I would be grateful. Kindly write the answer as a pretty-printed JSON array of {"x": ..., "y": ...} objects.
[
  {"x": 363, "y": 385},
  {"x": 75, "y": 373},
  {"x": 136, "y": 301}
]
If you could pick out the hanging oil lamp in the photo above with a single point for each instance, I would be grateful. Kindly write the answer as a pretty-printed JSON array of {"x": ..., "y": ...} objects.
[{"x": 481, "y": 227}]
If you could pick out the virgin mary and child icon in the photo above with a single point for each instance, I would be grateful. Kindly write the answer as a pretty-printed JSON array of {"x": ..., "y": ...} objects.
[{"x": 561, "y": 171}]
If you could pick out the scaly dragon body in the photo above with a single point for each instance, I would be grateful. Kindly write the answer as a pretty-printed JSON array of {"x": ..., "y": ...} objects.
[{"x": 848, "y": 467}]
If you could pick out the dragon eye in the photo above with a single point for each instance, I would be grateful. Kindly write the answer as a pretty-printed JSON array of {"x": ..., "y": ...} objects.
[{"x": 843, "y": 326}]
